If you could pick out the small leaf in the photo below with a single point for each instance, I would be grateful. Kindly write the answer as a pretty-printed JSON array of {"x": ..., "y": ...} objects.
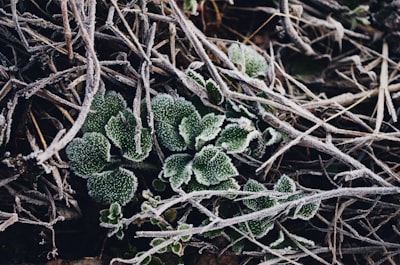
[
  {"x": 102, "y": 109},
  {"x": 146, "y": 261},
  {"x": 191, "y": 6},
  {"x": 120, "y": 234},
  {"x": 236, "y": 138},
  {"x": 121, "y": 129},
  {"x": 285, "y": 184},
  {"x": 286, "y": 243},
  {"x": 250, "y": 61},
  {"x": 184, "y": 227},
  {"x": 258, "y": 203},
  {"x": 177, "y": 248},
  {"x": 158, "y": 185},
  {"x": 198, "y": 78},
  {"x": 211, "y": 166},
  {"x": 157, "y": 241},
  {"x": 306, "y": 211},
  {"x": 89, "y": 154},
  {"x": 189, "y": 128},
  {"x": 112, "y": 186},
  {"x": 214, "y": 92},
  {"x": 273, "y": 135},
  {"x": 168, "y": 115},
  {"x": 178, "y": 169},
  {"x": 210, "y": 127}
]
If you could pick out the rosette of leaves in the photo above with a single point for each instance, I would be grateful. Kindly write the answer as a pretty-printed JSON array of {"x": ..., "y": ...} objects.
[
  {"x": 210, "y": 167},
  {"x": 248, "y": 59},
  {"x": 121, "y": 129},
  {"x": 112, "y": 186},
  {"x": 111, "y": 218},
  {"x": 103, "y": 107},
  {"x": 89, "y": 154}
]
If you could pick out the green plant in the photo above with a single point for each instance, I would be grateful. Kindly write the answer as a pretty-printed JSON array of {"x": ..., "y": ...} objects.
[
  {"x": 248, "y": 59},
  {"x": 180, "y": 127},
  {"x": 111, "y": 218},
  {"x": 110, "y": 123}
]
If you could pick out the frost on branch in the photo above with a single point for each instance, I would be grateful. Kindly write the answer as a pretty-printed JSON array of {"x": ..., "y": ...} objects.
[
  {"x": 178, "y": 169},
  {"x": 236, "y": 137},
  {"x": 112, "y": 186},
  {"x": 121, "y": 129},
  {"x": 212, "y": 166},
  {"x": 89, "y": 154},
  {"x": 250, "y": 61},
  {"x": 227, "y": 185},
  {"x": 103, "y": 107},
  {"x": 168, "y": 115}
]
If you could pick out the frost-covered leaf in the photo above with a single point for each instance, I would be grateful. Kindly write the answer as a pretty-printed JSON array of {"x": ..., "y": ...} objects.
[
  {"x": 306, "y": 211},
  {"x": 178, "y": 169},
  {"x": 191, "y": 6},
  {"x": 273, "y": 136},
  {"x": 258, "y": 203},
  {"x": 157, "y": 241},
  {"x": 103, "y": 107},
  {"x": 235, "y": 138},
  {"x": 184, "y": 227},
  {"x": 285, "y": 184},
  {"x": 198, "y": 78},
  {"x": 211, "y": 166},
  {"x": 112, "y": 186},
  {"x": 210, "y": 127},
  {"x": 250, "y": 61},
  {"x": 121, "y": 129},
  {"x": 229, "y": 184},
  {"x": 177, "y": 248},
  {"x": 214, "y": 92},
  {"x": 89, "y": 154},
  {"x": 286, "y": 243},
  {"x": 189, "y": 128},
  {"x": 168, "y": 115},
  {"x": 257, "y": 228}
]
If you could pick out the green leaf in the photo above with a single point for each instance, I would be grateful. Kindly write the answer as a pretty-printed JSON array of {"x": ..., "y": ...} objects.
[
  {"x": 168, "y": 115},
  {"x": 191, "y": 6},
  {"x": 210, "y": 127},
  {"x": 286, "y": 243},
  {"x": 89, "y": 154},
  {"x": 112, "y": 186},
  {"x": 102, "y": 109},
  {"x": 258, "y": 203},
  {"x": 189, "y": 128},
  {"x": 184, "y": 227},
  {"x": 177, "y": 248},
  {"x": 214, "y": 92},
  {"x": 235, "y": 138},
  {"x": 198, "y": 78},
  {"x": 157, "y": 241},
  {"x": 121, "y": 129},
  {"x": 115, "y": 210},
  {"x": 306, "y": 211},
  {"x": 178, "y": 169},
  {"x": 285, "y": 184},
  {"x": 249, "y": 60},
  {"x": 211, "y": 166}
]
